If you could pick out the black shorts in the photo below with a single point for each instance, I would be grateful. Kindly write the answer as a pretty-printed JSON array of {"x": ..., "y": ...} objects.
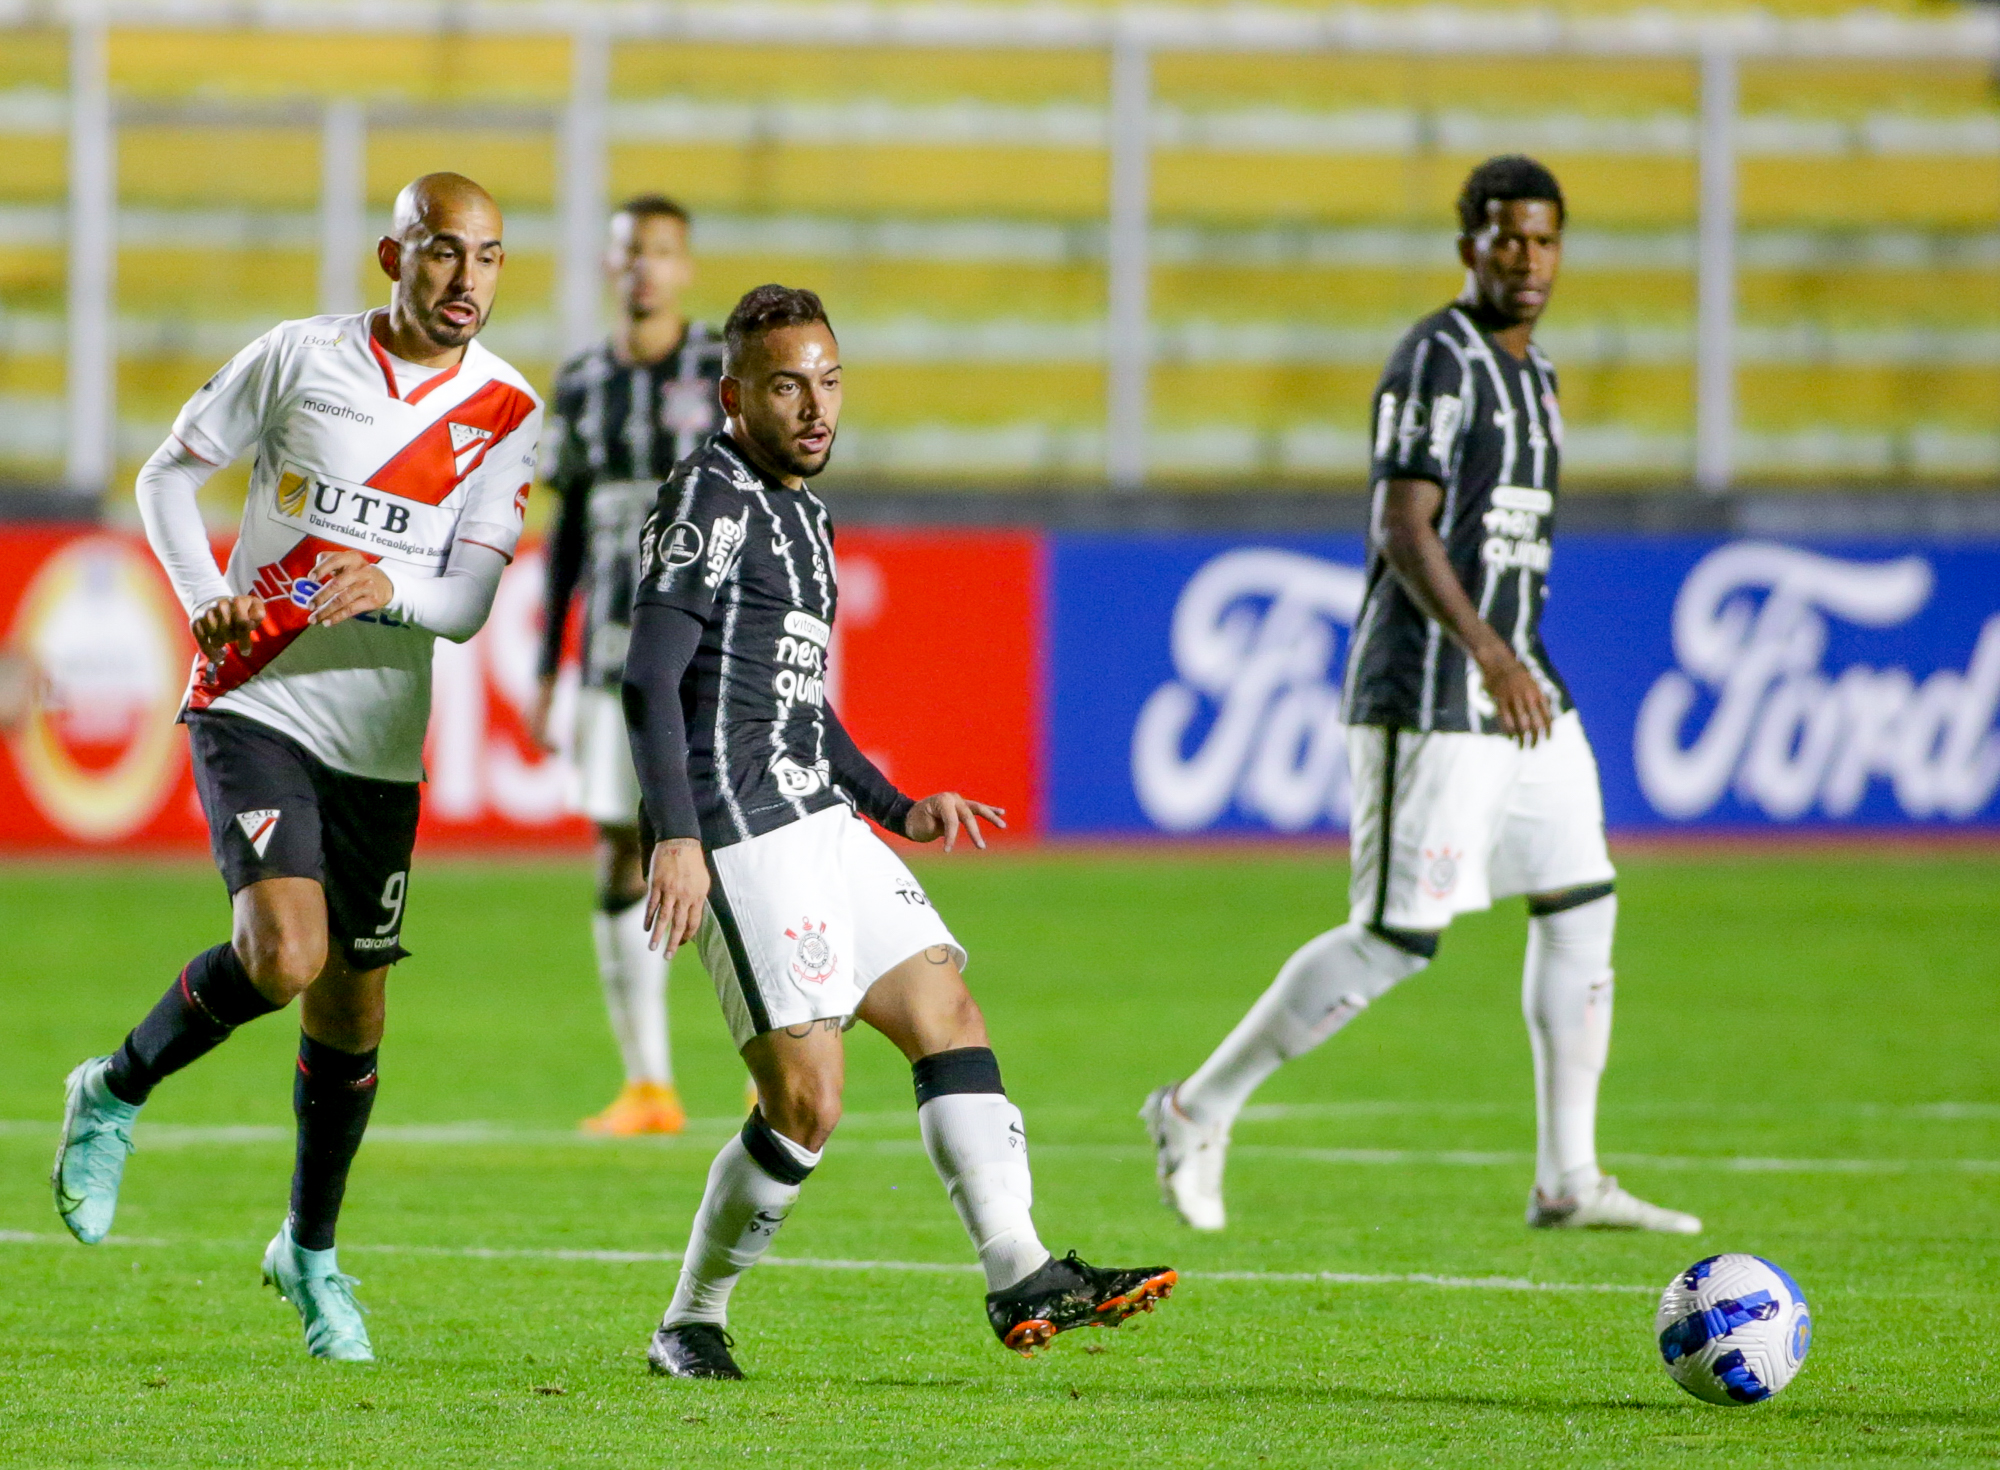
[{"x": 275, "y": 810}]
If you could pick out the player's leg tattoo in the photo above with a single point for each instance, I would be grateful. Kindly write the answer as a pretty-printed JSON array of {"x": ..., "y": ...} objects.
[
  {"x": 806, "y": 1028},
  {"x": 1566, "y": 996},
  {"x": 1324, "y": 985},
  {"x": 978, "y": 1144},
  {"x": 752, "y": 1186}
]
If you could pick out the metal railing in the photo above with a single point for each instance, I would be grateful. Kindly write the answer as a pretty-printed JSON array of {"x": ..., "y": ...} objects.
[{"x": 1128, "y": 39}]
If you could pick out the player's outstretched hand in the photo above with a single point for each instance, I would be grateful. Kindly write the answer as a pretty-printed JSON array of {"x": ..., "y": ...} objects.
[
  {"x": 942, "y": 815},
  {"x": 225, "y": 621},
  {"x": 676, "y": 890},
  {"x": 349, "y": 584},
  {"x": 1518, "y": 701}
]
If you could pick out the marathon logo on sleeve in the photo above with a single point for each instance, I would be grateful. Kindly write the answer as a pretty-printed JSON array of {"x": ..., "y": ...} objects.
[{"x": 365, "y": 518}]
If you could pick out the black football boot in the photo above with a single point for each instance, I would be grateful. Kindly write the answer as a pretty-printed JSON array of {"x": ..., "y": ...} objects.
[
  {"x": 1072, "y": 1293},
  {"x": 693, "y": 1350}
]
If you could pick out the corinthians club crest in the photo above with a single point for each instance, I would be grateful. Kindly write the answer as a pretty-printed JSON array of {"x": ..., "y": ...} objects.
[
  {"x": 1441, "y": 870},
  {"x": 813, "y": 960}
]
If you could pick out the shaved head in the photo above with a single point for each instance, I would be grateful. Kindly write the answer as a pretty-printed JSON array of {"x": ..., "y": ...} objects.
[
  {"x": 425, "y": 203},
  {"x": 444, "y": 254}
]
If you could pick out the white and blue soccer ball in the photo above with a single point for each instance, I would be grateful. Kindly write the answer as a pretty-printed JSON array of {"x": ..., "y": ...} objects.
[{"x": 1733, "y": 1329}]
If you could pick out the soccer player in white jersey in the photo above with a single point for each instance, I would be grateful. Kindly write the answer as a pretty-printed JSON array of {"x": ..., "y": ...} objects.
[
  {"x": 807, "y": 921},
  {"x": 1472, "y": 778},
  {"x": 393, "y": 456}
]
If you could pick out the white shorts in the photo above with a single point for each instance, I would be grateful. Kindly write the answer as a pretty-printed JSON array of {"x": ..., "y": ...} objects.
[
  {"x": 604, "y": 786},
  {"x": 801, "y": 921},
  {"x": 1470, "y": 818}
]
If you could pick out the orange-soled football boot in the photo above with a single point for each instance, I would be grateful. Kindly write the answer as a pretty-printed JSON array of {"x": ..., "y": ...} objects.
[{"x": 640, "y": 1107}]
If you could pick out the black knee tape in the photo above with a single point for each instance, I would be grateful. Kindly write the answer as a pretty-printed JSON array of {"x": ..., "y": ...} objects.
[
  {"x": 761, "y": 1143},
  {"x": 968, "y": 1069},
  {"x": 1419, "y": 942},
  {"x": 1540, "y": 907}
]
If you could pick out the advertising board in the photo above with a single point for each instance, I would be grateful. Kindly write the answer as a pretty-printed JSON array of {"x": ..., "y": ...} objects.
[
  {"x": 1133, "y": 686},
  {"x": 935, "y": 668},
  {"x": 1726, "y": 684}
]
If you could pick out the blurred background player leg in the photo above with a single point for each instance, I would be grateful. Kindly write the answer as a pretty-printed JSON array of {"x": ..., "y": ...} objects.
[
  {"x": 634, "y": 974},
  {"x": 625, "y": 412},
  {"x": 635, "y": 997}
]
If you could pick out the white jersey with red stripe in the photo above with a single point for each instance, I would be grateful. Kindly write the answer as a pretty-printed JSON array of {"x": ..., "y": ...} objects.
[{"x": 345, "y": 461}]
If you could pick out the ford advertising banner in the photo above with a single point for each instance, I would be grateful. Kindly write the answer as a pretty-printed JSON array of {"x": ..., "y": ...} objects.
[
  {"x": 1195, "y": 682},
  {"x": 1134, "y": 686}
]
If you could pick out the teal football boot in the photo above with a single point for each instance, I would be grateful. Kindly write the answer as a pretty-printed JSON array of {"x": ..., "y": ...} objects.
[
  {"x": 90, "y": 1158},
  {"x": 312, "y": 1282}
]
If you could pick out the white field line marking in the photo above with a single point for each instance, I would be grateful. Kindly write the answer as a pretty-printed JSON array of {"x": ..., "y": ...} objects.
[
  {"x": 1931, "y": 1112},
  {"x": 1727, "y": 1163},
  {"x": 822, "y": 1263},
  {"x": 704, "y": 1132}
]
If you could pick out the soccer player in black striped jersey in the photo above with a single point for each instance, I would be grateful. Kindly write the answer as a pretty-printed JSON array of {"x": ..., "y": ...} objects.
[
  {"x": 625, "y": 413},
  {"x": 807, "y": 921},
  {"x": 1471, "y": 775}
]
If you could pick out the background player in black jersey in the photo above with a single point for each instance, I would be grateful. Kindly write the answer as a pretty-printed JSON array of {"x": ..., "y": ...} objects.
[
  {"x": 807, "y": 921},
  {"x": 625, "y": 412},
  {"x": 1472, "y": 778}
]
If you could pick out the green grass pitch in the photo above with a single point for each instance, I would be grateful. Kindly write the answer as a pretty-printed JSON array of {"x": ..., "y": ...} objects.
[{"x": 1805, "y": 1055}]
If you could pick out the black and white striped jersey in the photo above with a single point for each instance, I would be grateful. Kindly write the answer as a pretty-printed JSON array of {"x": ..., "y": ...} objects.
[
  {"x": 1456, "y": 408},
  {"x": 619, "y": 428},
  {"x": 753, "y": 560}
]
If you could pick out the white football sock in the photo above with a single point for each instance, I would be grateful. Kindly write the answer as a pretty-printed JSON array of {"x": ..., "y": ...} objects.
[
  {"x": 611, "y": 975},
  {"x": 979, "y": 1147},
  {"x": 1328, "y": 982},
  {"x": 1566, "y": 997},
  {"x": 740, "y": 1213},
  {"x": 643, "y": 973}
]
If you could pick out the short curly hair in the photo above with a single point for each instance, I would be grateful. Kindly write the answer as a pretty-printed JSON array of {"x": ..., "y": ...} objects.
[
  {"x": 1510, "y": 176},
  {"x": 766, "y": 309}
]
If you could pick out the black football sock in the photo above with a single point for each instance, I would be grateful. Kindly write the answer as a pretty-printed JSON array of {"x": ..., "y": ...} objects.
[
  {"x": 332, "y": 1094},
  {"x": 208, "y": 1000}
]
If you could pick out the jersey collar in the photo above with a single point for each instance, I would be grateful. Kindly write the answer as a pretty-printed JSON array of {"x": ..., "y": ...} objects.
[
  {"x": 422, "y": 390},
  {"x": 722, "y": 440}
]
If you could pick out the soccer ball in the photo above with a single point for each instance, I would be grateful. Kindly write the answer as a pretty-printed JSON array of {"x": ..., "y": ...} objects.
[{"x": 1733, "y": 1329}]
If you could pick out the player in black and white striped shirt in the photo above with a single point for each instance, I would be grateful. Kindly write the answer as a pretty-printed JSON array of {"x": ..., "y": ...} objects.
[
  {"x": 807, "y": 920},
  {"x": 1472, "y": 778},
  {"x": 623, "y": 414}
]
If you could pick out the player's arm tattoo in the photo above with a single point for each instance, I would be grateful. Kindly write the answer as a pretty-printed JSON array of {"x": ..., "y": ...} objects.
[{"x": 939, "y": 954}]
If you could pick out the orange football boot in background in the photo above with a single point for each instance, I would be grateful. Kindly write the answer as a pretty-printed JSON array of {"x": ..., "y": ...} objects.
[{"x": 640, "y": 1107}]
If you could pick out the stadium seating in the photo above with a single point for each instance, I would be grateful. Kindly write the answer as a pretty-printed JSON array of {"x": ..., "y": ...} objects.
[{"x": 950, "y": 205}]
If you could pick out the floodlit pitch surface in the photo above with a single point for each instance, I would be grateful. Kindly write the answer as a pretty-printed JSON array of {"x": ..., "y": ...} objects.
[{"x": 1805, "y": 1055}]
